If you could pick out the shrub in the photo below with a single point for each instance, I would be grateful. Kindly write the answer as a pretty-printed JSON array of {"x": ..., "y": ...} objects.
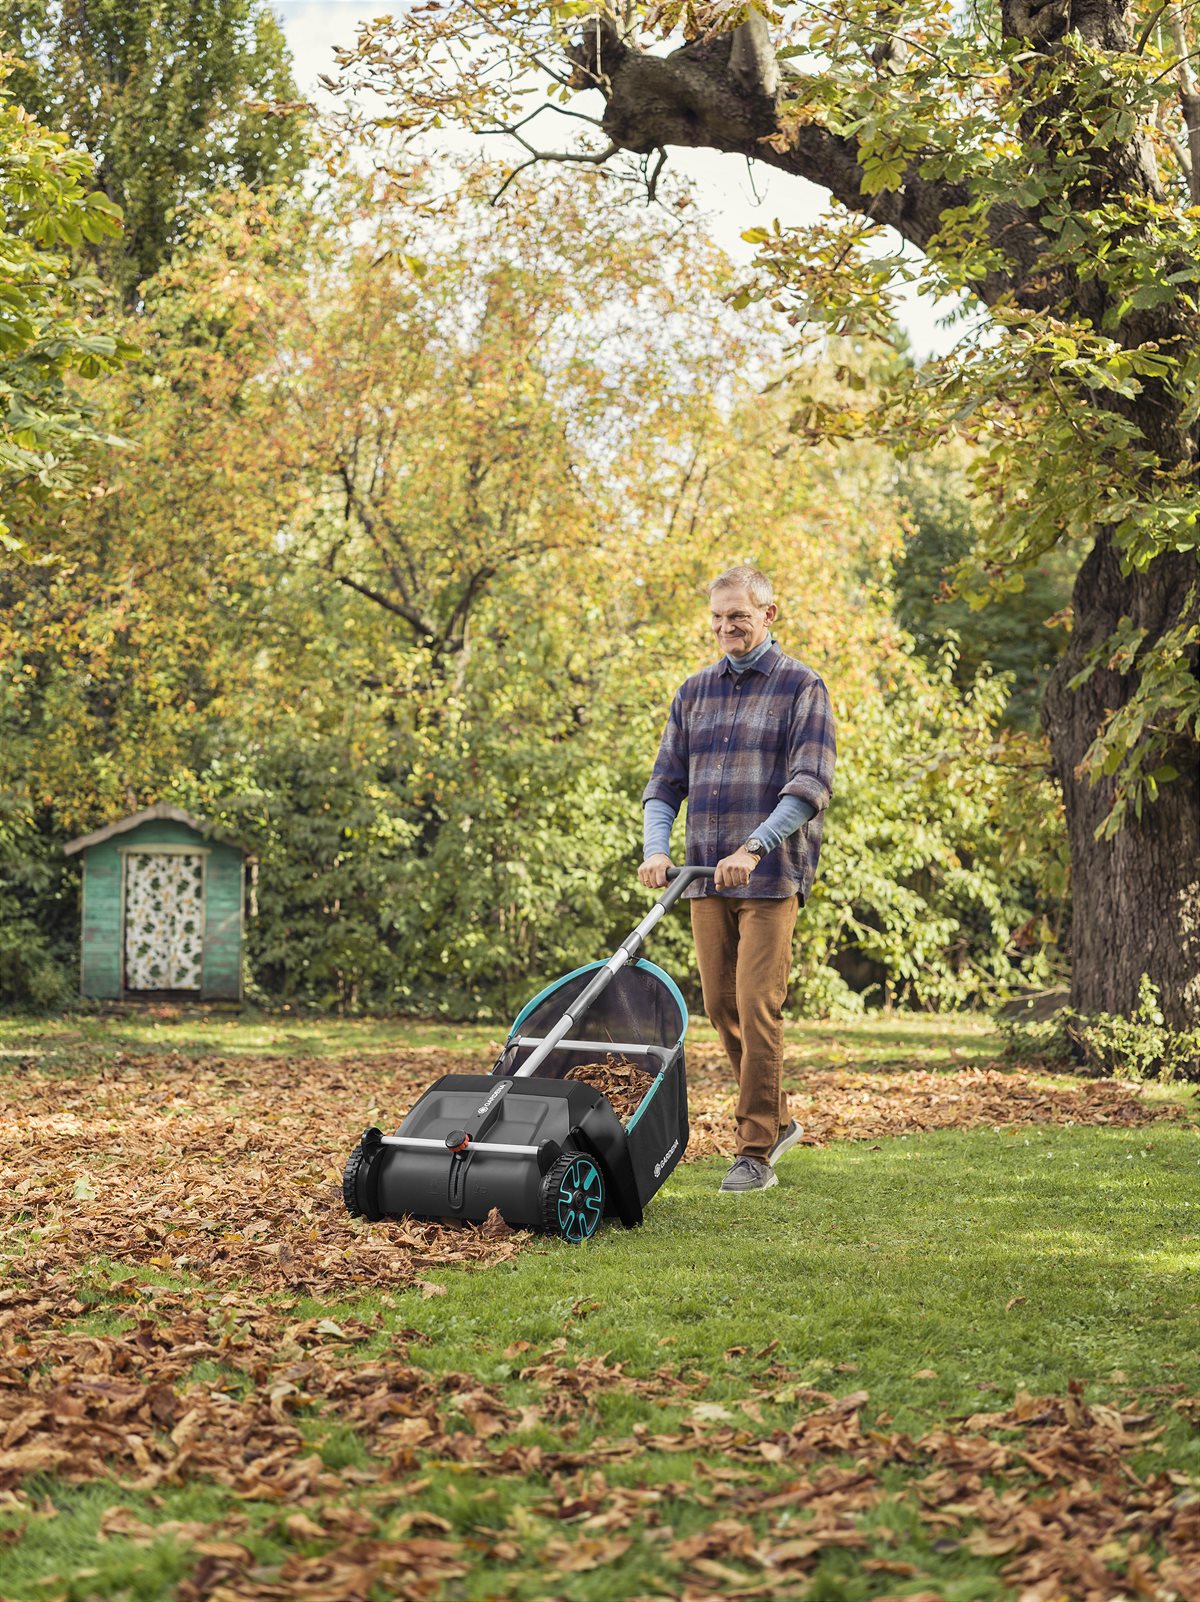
[
  {"x": 1106, "y": 1045},
  {"x": 39, "y": 907}
]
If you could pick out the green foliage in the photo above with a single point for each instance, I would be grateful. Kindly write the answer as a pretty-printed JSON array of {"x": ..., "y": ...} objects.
[
  {"x": 944, "y": 873},
  {"x": 1161, "y": 718},
  {"x": 51, "y": 344},
  {"x": 39, "y": 912},
  {"x": 173, "y": 100},
  {"x": 1017, "y": 635},
  {"x": 1040, "y": 166},
  {"x": 48, "y": 338},
  {"x": 330, "y": 843},
  {"x": 1139, "y": 1047},
  {"x": 436, "y": 755},
  {"x": 1077, "y": 397}
]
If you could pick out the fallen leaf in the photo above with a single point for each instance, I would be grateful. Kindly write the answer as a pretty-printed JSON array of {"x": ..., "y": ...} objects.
[
  {"x": 301, "y": 1528},
  {"x": 494, "y": 1226}
]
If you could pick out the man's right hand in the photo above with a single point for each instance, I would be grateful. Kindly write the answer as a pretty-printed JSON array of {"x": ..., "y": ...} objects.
[{"x": 653, "y": 872}]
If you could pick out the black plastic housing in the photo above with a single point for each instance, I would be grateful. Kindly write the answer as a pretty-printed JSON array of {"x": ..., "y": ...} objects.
[{"x": 548, "y": 1115}]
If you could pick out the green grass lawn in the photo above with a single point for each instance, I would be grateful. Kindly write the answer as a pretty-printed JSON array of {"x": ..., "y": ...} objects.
[
  {"x": 1019, "y": 1260},
  {"x": 878, "y": 1039},
  {"x": 944, "y": 1275}
]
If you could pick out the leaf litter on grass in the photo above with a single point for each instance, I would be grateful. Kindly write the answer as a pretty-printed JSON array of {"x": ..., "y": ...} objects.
[
  {"x": 231, "y": 1169},
  {"x": 1047, "y": 1486},
  {"x": 226, "y": 1176}
]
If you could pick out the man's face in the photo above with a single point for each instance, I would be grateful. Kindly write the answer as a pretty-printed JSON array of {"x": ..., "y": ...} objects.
[{"x": 738, "y": 624}]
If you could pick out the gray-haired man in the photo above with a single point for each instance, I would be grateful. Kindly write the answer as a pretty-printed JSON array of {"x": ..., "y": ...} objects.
[{"x": 750, "y": 743}]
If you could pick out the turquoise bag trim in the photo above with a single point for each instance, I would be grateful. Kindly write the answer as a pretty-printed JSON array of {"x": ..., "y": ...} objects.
[
  {"x": 645, "y": 1101},
  {"x": 590, "y": 967}
]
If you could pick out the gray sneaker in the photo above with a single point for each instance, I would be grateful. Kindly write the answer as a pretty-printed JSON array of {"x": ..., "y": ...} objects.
[
  {"x": 785, "y": 1142},
  {"x": 749, "y": 1173}
]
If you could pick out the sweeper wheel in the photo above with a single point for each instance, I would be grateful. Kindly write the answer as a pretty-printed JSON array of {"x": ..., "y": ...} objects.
[
  {"x": 354, "y": 1166},
  {"x": 572, "y": 1198}
]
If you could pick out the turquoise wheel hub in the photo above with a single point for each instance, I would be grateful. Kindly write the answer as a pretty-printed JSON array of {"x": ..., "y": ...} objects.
[{"x": 580, "y": 1200}]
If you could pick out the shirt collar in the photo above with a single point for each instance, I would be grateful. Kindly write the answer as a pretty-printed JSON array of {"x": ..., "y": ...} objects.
[{"x": 767, "y": 662}]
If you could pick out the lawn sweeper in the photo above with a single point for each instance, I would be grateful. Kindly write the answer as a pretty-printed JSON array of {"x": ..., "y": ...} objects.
[{"x": 533, "y": 1140}]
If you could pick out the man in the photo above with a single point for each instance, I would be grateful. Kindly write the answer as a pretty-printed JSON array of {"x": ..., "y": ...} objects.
[{"x": 750, "y": 742}]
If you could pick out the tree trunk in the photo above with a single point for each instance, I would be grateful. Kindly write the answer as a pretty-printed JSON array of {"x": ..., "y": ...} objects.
[{"x": 1136, "y": 897}]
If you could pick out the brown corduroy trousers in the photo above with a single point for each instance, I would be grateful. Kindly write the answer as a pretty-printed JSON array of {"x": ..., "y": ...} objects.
[{"x": 744, "y": 951}]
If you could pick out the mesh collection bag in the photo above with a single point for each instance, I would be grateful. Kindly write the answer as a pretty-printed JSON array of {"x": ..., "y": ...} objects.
[{"x": 643, "y": 1009}]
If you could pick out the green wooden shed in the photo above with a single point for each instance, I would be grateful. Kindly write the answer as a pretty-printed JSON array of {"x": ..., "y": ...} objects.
[{"x": 163, "y": 908}]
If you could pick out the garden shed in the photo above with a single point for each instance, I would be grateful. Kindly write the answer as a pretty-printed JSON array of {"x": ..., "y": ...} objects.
[{"x": 163, "y": 908}]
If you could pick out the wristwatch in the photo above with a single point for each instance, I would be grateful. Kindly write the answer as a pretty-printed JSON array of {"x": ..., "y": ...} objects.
[{"x": 755, "y": 847}]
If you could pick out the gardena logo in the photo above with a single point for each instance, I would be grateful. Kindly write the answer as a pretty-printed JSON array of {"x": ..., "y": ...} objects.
[
  {"x": 665, "y": 1158},
  {"x": 499, "y": 1091}
]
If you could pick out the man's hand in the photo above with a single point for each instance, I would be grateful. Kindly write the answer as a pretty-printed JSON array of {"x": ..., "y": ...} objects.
[
  {"x": 653, "y": 872},
  {"x": 735, "y": 870}
]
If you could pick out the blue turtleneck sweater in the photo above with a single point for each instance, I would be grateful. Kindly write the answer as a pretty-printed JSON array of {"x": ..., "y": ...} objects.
[{"x": 658, "y": 816}]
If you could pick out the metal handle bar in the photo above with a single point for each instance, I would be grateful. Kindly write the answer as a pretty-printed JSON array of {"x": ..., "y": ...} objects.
[
  {"x": 680, "y": 879},
  {"x": 685, "y": 875}
]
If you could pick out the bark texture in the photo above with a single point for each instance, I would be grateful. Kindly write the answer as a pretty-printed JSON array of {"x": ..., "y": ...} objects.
[{"x": 1137, "y": 897}]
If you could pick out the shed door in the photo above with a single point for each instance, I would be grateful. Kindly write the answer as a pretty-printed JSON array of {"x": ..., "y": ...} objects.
[{"x": 164, "y": 920}]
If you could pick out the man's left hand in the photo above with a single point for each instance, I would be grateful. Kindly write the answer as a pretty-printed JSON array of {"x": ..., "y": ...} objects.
[{"x": 735, "y": 870}]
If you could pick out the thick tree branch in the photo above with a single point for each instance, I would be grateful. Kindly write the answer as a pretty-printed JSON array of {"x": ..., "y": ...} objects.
[
  {"x": 694, "y": 98},
  {"x": 421, "y": 626},
  {"x": 752, "y": 63},
  {"x": 356, "y": 506}
]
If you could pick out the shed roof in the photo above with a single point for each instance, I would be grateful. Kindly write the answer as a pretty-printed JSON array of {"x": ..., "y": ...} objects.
[{"x": 160, "y": 809}]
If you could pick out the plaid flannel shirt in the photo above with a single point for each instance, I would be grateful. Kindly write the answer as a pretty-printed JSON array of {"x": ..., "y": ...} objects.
[{"x": 736, "y": 742}]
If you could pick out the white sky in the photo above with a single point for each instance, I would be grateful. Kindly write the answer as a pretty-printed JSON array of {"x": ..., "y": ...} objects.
[{"x": 723, "y": 183}]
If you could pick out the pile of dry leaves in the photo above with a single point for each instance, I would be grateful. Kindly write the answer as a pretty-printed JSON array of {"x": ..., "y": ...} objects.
[
  {"x": 837, "y": 1104},
  {"x": 228, "y": 1171},
  {"x": 624, "y": 1083}
]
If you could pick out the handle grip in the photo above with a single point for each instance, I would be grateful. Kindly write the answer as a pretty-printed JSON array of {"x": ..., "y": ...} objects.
[{"x": 678, "y": 881}]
